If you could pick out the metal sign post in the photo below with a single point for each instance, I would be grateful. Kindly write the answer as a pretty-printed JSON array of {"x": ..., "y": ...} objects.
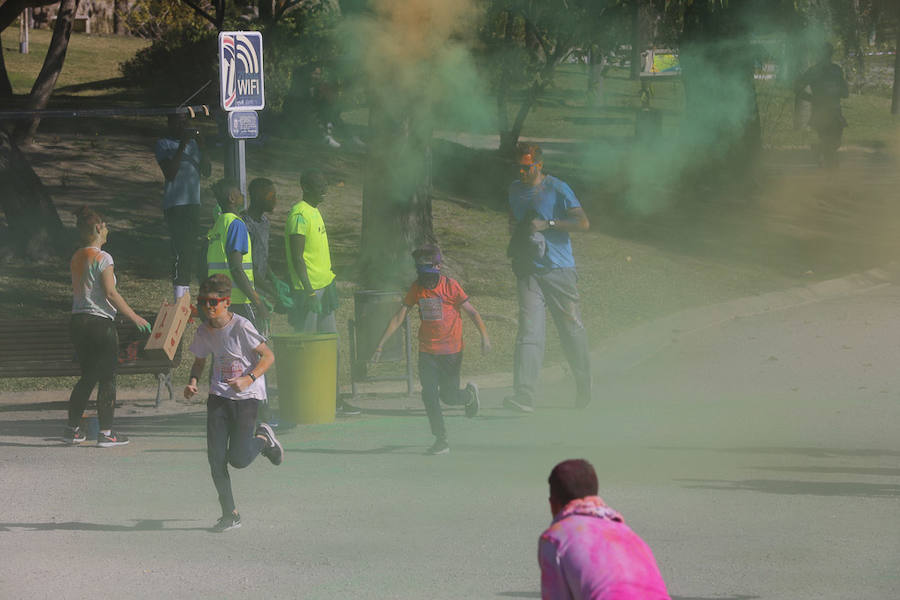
[
  {"x": 24, "y": 25},
  {"x": 242, "y": 92}
]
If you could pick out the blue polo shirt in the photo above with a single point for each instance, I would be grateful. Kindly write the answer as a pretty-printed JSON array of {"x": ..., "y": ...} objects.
[{"x": 550, "y": 199}]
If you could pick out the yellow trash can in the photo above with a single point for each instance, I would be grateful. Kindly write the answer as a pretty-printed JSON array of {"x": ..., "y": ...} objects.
[{"x": 306, "y": 368}]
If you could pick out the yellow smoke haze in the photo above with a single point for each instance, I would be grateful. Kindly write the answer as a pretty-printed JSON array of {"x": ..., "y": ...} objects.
[{"x": 404, "y": 47}]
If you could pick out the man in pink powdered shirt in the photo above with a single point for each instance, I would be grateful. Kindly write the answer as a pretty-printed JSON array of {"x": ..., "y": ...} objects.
[{"x": 588, "y": 552}]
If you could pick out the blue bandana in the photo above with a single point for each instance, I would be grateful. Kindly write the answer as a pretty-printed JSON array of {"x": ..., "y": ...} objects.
[{"x": 427, "y": 269}]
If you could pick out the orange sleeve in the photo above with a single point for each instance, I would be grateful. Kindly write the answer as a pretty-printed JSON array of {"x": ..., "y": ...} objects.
[{"x": 412, "y": 296}]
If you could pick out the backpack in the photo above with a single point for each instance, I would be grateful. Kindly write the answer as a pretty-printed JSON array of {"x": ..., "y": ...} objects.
[{"x": 527, "y": 250}]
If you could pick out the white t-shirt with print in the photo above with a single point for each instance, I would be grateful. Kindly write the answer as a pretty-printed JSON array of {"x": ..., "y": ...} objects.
[
  {"x": 233, "y": 350},
  {"x": 88, "y": 295}
]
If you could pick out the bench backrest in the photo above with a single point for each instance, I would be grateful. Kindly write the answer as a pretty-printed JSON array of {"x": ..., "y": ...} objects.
[{"x": 43, "y": 348}]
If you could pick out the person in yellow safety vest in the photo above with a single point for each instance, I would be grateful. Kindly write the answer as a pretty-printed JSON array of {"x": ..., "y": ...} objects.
[
  {"x": 230, "y": 253},
  {"x": 314, "y": 292}
]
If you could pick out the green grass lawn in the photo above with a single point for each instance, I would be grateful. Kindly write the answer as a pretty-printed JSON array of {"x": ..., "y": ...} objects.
[
  {"x": 632, "y": 269},
  {"x": 89, "y": 58}
]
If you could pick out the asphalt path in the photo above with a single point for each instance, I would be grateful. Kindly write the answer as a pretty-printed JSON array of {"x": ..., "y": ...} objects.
[{"x": 753, "y": 445}]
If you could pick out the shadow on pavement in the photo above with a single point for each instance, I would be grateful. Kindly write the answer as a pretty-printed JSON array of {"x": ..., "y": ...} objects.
[
  {"x": 394, "y": 412},
  {"x": 177, "y": 425},
  {"x": 810, "y": 452},
  {"x": 50, "y": 443},
  {"x": 880, "y": 471},
  {"x": 35, "y": 406},
  {"x": 381, "y": 450},
  {"x": 799, "y": 488},
  {"x": 139, "y": 525}
]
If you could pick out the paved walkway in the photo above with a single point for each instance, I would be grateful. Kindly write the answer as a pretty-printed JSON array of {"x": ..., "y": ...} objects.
[{"x": 752, "y": 444}]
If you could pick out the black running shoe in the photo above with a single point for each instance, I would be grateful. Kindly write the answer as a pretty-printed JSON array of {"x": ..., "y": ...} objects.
[
  {"x": 474, "y": 404},
  {"x": 439, "y": 447},
  {"x": 73, "y": 435},
  {"x": 227, "y": 523},
  {"x": 113, "y": 439},
  {"x": 274, "y": 451}
]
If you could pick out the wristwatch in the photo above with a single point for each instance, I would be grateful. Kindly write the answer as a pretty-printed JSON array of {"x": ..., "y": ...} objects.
[
  {"x": 551, "y": 223},
  {"x": 252, "y": 376}
]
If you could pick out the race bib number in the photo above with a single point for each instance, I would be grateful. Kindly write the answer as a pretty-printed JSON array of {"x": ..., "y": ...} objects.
[
  {"x": 229, "y": 369},
  {"x": 431, "y": 309}
]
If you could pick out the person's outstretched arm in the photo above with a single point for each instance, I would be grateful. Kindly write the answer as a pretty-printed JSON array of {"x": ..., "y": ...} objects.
[
  {"x": 108, "y": 281},
  {"x": 479, "y": 323},
  {"x": 392, "y": 326}
]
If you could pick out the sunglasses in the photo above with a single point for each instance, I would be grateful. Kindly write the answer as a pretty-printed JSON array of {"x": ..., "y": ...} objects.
[
  {"x": 211, "y": 302},
  {"x": 525, "y": 168}
]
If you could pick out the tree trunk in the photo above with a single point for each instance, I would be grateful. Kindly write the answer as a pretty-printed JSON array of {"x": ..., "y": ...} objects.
[
  {"x": 397, "y": 191},
  {"x": 596, "y": 69},
  {"x": 895, "y": 96},
  {"x": 721, "y": 111},
  {"x": 36, "y": 229},
  {"x": 641, "y": 33},
  {"x": 6, "y": 90},
  {"x": 503, "y": 85},
  {"x": 53, "y": 64},
  {"x": 265, "y": 11},
  {"x": 118, "y": 29},
  {"x": 509, "y": 138}
]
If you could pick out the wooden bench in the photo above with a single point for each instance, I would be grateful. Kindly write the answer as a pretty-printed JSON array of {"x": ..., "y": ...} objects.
[{"x": 43, "y": 348}]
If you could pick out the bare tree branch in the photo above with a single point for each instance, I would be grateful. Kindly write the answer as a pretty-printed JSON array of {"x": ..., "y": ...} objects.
[{"x": 202, "y": 13}]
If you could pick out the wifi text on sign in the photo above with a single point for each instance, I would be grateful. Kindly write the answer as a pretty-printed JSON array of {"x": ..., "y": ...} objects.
[{"x": 241, "y": 70}]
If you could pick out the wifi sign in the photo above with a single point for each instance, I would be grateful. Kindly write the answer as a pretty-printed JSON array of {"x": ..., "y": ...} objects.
[{"x": 241, "y": 70}]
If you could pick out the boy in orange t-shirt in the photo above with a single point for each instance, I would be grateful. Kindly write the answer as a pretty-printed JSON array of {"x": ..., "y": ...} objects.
[{"x": 439, "y": 299}]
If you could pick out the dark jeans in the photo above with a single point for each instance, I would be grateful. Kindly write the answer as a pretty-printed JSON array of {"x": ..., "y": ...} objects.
[
  {"x": 97, "y": 345},
  {"x": 439, "y": 376},
  {"x": 184, "y": 226},
  {"x": 555, "y": 289},
  {"x": 230, "y": 440}
]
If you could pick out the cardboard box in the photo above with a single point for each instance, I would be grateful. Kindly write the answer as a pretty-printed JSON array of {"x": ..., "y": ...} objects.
[{"x": 169, "y": 326}]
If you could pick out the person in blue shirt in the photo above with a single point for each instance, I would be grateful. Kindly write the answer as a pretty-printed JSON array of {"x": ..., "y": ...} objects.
[
  {"x": 543, "y": 211},
  {"x": 230, "y": 252},
  {"x": 183, "y": 161}
]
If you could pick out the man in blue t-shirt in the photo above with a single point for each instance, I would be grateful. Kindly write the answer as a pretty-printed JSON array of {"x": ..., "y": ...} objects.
[
  {"x": 543, "y": 211},
  {"x": 183, "y": 161},
  {"x": 230, "y": 256}
]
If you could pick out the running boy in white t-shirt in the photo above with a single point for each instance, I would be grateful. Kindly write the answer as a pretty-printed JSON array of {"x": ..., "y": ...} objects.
[{"x": 237, "y": 386}]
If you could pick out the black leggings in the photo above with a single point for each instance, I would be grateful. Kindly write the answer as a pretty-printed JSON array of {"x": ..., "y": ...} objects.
[
  {"x": 96, "y": 344},
  {"x": 184, "y": 224},
  {"x": 439, "y": 376},
  {"x": 230, "y": 440}
]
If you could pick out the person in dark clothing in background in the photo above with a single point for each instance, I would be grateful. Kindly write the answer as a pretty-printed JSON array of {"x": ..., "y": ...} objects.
[
  {"x": 182, "y": 158},
  {"x": 823, "y": 85}
]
